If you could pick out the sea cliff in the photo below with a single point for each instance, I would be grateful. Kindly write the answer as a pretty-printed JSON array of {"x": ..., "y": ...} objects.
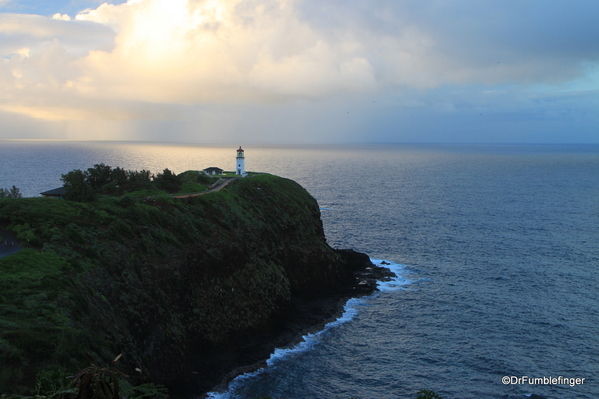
[{"x": 187, "y": 290}]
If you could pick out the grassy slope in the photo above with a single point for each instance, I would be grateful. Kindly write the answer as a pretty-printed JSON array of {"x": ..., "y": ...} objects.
[{"x": 158, "y": 281}]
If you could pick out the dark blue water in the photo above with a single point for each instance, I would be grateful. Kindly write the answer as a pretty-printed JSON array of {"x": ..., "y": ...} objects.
[{"x": 498, "y": 247}]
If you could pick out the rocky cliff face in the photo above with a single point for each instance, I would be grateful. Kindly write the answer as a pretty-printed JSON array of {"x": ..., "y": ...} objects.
[{"x": 187, "y": 290}]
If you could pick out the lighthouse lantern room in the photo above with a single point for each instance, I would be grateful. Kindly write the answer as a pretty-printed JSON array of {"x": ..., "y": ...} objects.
[{"x": 240, "y": 162}]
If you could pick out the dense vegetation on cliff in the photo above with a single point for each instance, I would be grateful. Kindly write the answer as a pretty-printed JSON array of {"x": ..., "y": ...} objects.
[
  {"x": 181, "y": 287},
  {"x": 87, "y": 185}
]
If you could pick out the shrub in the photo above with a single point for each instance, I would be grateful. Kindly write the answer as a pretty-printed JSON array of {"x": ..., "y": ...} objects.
[
  {"x": 52, "y": 381},
  {"x": 150, "y": 391},
  {"x": 99, "y": 382}
]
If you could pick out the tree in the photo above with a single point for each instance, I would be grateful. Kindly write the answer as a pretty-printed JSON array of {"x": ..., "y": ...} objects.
[
  {"x": 167, "y": 180},
  {"x": 99, "y": 176},
  {"x": 119, "y": 176},
  {"x": 13, "y": 192},
  {"x": 77, "y": 186},
  {"x": 142, "y": 176}
]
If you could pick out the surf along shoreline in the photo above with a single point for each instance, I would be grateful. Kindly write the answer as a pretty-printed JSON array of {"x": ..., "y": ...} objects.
[{"x": 311, "y": 315}]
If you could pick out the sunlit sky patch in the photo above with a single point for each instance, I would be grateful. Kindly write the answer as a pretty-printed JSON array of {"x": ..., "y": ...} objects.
[{"x": 295, "y": 71}]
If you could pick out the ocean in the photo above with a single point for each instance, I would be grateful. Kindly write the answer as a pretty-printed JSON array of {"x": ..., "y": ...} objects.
[{"x": 496, "y": 248}]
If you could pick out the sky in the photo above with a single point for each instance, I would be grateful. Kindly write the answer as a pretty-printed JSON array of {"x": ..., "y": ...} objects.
[{"x": 300, "y": 71}]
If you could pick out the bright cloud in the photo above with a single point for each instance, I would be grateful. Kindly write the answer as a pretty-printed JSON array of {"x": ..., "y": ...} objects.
[
  {"x": 130, "y": 60},
  {"x": 64, "y": 17},
  {"x": 178, "y": 51},
  {"x": 222, "y": 51}
]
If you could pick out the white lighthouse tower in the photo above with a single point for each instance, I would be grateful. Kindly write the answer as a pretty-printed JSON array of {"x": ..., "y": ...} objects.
[{"x": 240, "y": 171}]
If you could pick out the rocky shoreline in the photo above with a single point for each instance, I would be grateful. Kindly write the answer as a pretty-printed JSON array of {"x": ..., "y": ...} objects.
[{"x": 308, "y": 315}]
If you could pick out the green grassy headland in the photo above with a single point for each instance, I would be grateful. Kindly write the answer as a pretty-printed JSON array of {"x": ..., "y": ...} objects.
[{"x": 167, "y": 282}]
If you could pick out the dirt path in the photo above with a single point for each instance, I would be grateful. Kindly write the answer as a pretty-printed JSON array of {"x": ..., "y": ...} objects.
[{"x": 212, "y": 190}]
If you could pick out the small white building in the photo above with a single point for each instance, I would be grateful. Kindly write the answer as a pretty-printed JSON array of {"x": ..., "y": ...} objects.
[
  {"x": 240, "y": 169},
  {"x": 213, "y": 171}
]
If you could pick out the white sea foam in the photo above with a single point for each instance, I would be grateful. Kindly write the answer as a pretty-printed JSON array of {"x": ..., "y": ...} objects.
[
  {"x": 350, "y": 310},
  {"x": 309, "y": 340},
  {"x": 280, "y": 354},
  {"x": 397, "y": 283}
]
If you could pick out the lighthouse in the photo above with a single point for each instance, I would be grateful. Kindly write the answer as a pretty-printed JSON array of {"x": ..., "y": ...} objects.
[{"x": 240, "y": 171}]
